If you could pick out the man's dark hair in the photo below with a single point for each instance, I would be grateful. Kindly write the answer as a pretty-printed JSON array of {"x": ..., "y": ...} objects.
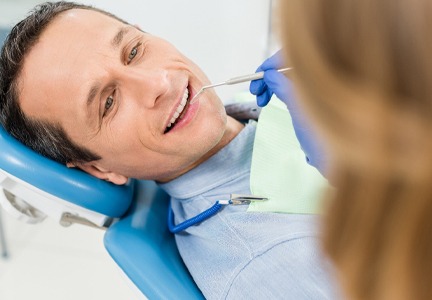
[{"x": 44, "y": 137}]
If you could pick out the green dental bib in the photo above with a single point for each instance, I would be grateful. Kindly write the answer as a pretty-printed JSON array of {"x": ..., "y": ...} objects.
[{"x": 279, "y": 169}]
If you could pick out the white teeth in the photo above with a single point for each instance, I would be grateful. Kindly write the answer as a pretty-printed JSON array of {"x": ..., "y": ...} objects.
[{"x": 179, "y": 108}]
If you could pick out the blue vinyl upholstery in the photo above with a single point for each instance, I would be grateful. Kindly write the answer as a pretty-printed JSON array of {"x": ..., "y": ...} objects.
[
  {"x": 142, "y": 246},
  {"x": 68, "y": 184}
]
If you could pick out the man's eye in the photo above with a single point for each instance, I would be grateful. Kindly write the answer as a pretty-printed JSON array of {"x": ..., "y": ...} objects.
[
  {"x": 133, "y": 53},
  {"x": 108, "y": 104}
]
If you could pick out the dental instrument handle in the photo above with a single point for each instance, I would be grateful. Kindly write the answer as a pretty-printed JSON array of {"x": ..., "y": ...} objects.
[
  {"x": 251, "y": 77},
  {"x": 236, "y": 80}
]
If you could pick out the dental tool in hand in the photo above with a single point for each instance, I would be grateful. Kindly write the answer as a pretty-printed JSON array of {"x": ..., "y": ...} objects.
[{"x": 235, "y": 80}]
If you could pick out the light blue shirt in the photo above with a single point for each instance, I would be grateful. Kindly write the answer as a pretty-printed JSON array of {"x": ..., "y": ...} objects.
[{"x": 241, "y": 255}]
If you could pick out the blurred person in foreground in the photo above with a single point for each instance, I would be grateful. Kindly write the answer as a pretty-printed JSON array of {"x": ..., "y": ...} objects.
[{"x": 363, "y": 76}]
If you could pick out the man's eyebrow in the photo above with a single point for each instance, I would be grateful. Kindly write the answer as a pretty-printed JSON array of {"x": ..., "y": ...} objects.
[{"x": 118, "y": 38}]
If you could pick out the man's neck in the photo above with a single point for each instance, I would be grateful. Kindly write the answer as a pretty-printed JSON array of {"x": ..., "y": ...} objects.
[{"x": 233, "y": 128}]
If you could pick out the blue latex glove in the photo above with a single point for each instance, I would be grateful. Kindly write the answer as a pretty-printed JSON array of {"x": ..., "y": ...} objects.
[{"x": 276, "y": 83}]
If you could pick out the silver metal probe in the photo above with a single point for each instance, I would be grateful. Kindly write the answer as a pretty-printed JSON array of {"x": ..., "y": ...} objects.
[{"x": 236, "y": 80}]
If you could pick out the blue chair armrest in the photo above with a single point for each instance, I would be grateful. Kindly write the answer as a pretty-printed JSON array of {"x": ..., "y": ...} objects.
[{"x": 142, "y": 246}]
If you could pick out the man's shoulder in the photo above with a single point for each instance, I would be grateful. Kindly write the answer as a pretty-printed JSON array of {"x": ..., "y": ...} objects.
[{"x": 243, "y": 111}]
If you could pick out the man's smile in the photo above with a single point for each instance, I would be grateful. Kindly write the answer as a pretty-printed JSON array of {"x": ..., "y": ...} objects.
[{"x": 179, "y": 110}]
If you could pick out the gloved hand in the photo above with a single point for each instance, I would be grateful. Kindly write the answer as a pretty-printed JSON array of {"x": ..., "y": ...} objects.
[{"x": 276, "y": 83}]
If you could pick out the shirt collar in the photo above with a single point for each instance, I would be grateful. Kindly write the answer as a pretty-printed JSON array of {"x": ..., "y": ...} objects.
[{"x": 230, "y": 162}]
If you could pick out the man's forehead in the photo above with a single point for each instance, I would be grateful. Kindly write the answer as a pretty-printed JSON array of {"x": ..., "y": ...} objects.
[
  {"x": 79, "y": 18},
  {"x": 63, "y": 59}
]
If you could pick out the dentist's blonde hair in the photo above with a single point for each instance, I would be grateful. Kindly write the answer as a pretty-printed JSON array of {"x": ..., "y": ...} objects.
[{"x": 363, "y": 72}]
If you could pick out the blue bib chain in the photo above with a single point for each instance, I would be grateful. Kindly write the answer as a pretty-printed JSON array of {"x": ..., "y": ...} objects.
[{"x": 235, "y": 199}]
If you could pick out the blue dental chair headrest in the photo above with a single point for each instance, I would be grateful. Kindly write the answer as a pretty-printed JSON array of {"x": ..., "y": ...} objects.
[{"x": 71, "y": 185}]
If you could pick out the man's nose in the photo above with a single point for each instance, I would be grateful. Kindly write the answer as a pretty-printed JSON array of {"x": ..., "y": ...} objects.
[{"x": 147, "y": 86}]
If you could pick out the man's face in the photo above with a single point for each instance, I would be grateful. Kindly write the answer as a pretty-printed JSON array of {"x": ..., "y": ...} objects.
[{"x": 115, "y": 90}]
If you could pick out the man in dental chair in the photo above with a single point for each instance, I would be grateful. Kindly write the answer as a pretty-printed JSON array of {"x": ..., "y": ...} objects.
[{"x": 115, "y": 103}]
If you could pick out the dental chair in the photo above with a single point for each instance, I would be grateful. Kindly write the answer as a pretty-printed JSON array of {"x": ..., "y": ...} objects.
[{"x": 134, "y": 216}]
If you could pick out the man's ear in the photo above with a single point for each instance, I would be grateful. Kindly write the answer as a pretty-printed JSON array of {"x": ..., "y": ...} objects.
[{"x": 96, "y": 171}]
